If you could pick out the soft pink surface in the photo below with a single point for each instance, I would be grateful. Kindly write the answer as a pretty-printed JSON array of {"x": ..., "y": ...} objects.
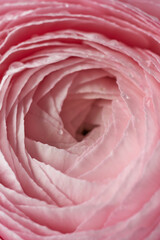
[{"x": 79, "y": 120}]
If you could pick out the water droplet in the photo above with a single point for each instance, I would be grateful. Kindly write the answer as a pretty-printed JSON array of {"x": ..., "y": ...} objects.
[
  {"x": 125, "y": 96},
  {"x": 66, "y": 5},
  {"x": 60, "y": 132}
]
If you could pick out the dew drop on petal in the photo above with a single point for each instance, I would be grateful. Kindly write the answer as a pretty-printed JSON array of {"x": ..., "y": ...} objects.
[
  {"x": 60, "y": 132},
  {"x": 66, "y": 5},
  {"x": 125, "y": 96}
]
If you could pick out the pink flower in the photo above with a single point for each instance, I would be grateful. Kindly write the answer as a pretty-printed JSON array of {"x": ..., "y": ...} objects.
[{"x": 79, "y": 120}]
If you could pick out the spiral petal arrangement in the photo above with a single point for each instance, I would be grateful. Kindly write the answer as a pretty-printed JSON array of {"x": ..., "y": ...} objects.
[{"x": 79, "y": 120}]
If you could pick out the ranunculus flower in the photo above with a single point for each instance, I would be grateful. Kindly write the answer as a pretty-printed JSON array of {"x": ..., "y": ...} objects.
[{"x": 80, "y": 120}]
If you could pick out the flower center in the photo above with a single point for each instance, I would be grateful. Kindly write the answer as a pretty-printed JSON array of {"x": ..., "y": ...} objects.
[
  {"x": 84, "y": 130},
  {"x": 84, "y": 120}
]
